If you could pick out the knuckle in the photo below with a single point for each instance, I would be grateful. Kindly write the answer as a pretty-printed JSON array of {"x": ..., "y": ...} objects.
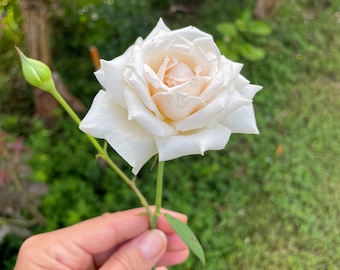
[{"x": 29, "y": 244}]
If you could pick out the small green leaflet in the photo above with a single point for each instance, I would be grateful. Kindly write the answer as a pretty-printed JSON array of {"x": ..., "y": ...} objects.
[{"x": 187, "y": 236}]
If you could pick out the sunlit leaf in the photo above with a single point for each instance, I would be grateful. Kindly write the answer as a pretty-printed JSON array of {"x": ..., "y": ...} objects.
[
  {"x": 251, "y": 52},
  {"x": 259, "y": 28},
  {"x": 242, "y": 22},
  {"x": 227, "y": 29},
  {"x": 241, "y": 25}
]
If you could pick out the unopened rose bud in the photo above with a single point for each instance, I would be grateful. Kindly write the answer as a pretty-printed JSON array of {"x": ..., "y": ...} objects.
[{"x": 36, "y": 72}]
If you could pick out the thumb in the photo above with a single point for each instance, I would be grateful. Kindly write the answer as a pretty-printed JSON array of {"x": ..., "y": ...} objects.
[{"x": 141, "y": 253}]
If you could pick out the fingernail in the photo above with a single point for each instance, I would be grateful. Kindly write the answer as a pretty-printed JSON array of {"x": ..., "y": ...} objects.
[{"x": 152, "y": 243}]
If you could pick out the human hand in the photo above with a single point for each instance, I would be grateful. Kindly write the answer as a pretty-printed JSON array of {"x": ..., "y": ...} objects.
[{"x": 120, "y": 241}]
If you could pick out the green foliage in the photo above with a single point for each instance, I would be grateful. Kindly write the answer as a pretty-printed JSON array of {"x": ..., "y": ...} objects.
[
  {"x": 13, "y": 90},
  {"x": 64, "y": 159},
  {"x": 9, "y": 249},
  {"x": 112, "y": 26},
  {"x": 239, "y": 37}
]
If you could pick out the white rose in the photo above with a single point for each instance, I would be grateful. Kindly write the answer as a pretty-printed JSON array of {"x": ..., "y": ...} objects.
[{"x": 173, "y": 94}]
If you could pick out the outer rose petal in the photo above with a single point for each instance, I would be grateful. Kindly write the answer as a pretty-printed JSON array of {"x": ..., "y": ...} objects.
[
  {"x": 241, "y": 82},
  {"x": 160, "y": 27},
  {"x": 250, "y": 90},
  {"x": 222, "y": 104},
  {"x": 236, "y": 101},
  {"x": 192, "y": 33},
  {"x": 107, "y": 120},
  {"x": 100, "y": 75},
  {"x": 172, "y": 147},
  {"x": 110, "y": 76},
  {"x": 241, "y": 120}
]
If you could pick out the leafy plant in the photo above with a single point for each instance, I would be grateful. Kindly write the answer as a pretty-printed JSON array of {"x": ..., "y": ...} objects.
[
  {"x": 13, "y": 97},
  {"x": 240, "y": 36}
]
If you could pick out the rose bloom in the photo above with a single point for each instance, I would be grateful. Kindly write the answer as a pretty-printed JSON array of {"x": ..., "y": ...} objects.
[{"x": 173, "y": 94}]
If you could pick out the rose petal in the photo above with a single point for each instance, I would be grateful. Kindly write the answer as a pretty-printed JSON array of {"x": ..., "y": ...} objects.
[
  {"x": 138, "y": 112},
  {"x": 191, "y": 33},
  {"x": 162, "y": 69},
  {"x": 155, "y": 51},
  {"x": 153, "y": 79},
  {"x": 213, "y": 112},
  {"x": 230, "y": 69},
  {"x": 192, "y": 88},
  {"x": 235, "y": 102},
  {"x": 180, "y": 73},
  {"x": 250, "y": 90},
  {"x": 160, "y": 27},
  {"x": 241, "y": 120},
  {"x": 134, "y": 75},
  {"x": 213, "y": 88},
  {"x": 203, "y": 61},
  {"x": 176, "y": 106},
  {"x": 140, "y": 87},
  {"x": 179, "y": 49},
  {"x": 110, "y": 76},
  {"x": 114, "y": 81},
  {"x": 172, "y": 147},
  {"x": 208, "y": 45},
  {"x": 107, "y": 120},
  {"x": 241, "y": 82},
  {"x": 100, "y": 75},
  {"x": 225, "y": 79}
]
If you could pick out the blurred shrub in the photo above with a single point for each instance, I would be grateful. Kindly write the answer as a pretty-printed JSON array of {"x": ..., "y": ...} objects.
[
  {"x": 14, "y": 97},
  {"x": 110, "y": 25},
  {"x": 240, "y": 37},
  {"x": 63, "y": 159}
]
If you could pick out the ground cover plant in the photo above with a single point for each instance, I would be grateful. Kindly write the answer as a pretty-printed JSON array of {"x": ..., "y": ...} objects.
[{"x": 265, "y": 202}]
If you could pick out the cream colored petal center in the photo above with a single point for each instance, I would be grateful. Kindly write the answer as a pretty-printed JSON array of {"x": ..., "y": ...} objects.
[
  {"x": 179, "y": 74},
  {"x": 176, "y": 87}
]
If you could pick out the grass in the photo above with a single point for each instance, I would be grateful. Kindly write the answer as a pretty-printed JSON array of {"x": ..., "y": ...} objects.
[{"x": 291, "y": 218}]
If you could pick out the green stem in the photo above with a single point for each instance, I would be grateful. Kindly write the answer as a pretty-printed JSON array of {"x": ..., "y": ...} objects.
[
  {"x": 130, "y": 183},
  {"x": 158, "y": 199},
  {"x": 103, "y": 153},
  {"x": 159, "y": 191},
  {"x": 76, "y": 119}
]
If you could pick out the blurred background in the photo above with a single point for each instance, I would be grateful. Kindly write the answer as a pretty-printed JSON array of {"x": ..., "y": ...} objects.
[{"x": 268, "y": 201}]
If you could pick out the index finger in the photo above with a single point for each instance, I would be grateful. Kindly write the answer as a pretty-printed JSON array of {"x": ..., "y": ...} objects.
[
  {"x": 102, "y": 233},
  {"x": 99, "y": 234}
]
